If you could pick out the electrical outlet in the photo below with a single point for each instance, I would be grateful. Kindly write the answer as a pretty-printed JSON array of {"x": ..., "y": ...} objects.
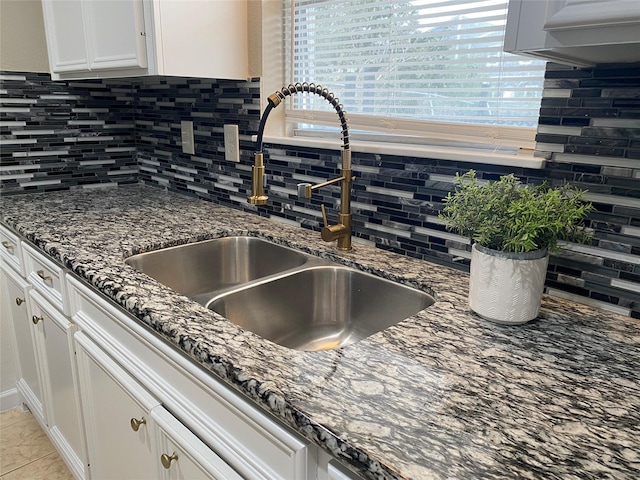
[
  {"x": 231, "y": 143},
  {"x": 186, "y": 137}
]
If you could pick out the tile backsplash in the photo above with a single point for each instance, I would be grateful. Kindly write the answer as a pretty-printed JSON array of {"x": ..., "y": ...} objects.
[
  {"x": 83, "y": 134},
  {"x": 58, "y": 135}
]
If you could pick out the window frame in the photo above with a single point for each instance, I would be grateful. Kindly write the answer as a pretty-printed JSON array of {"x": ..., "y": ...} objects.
[{"x": 281, "y": 129}]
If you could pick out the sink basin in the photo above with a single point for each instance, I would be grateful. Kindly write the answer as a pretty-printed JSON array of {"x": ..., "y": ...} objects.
[
  {"x": 320, "y": 307},
  {"x": 291, "y": 298},
  {"x": 202, "y": 270}
]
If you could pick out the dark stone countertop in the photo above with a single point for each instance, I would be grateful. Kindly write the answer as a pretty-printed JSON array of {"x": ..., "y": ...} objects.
[{"x": 442, "y": 394}]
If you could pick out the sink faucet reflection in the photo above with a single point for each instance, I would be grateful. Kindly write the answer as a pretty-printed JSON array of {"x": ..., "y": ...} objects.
[{"x": 342, "y": 230}]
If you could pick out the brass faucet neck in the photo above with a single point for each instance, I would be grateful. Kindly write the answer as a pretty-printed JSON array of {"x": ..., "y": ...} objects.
[
  {"x": 342, "y": 230},
  {"x": 344, "y": 242},
  {"x": 258, "y": 196}
]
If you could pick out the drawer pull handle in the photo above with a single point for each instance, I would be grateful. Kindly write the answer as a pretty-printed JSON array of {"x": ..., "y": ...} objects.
[
  {"x": 135, "y": 423},
  {"x": 19, "y": 301},
  {"x": 35, "y": 319},
  {"x": 7, "y": 245},
  {"x": 166, "y": 459},
  {"x": 45, "y": 278}
]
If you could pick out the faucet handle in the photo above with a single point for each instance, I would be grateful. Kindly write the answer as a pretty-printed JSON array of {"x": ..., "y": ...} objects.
[
  {"x": 329, "y": 233},
  {"x": 324, "y": 215},
  {"x": 304, "y": 190}
]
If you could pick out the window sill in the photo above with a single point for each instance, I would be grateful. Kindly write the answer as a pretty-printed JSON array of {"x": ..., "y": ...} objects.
[{"x": 526, "y": 160}]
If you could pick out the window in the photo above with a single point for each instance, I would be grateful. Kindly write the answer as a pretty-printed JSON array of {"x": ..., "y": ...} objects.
[{"x": 428, "y": 71}]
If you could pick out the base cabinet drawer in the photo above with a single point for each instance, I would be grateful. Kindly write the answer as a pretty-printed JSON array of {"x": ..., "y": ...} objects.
[
  {"x": 11, "y": 250},
  {"x": 46, "y": 277}
]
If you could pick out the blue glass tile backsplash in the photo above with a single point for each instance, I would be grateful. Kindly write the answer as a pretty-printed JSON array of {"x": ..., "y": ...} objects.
[{"x": 87, "y": 134}]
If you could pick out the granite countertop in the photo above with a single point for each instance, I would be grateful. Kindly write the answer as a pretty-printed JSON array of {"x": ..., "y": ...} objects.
[{"x": 442, "y": 394}]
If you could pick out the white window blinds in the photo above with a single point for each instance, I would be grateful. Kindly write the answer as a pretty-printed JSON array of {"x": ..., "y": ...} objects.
[{"x": 426, "y": 68}]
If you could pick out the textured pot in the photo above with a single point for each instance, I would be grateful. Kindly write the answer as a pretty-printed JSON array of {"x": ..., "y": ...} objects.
[{"x": 507, "y": 287}]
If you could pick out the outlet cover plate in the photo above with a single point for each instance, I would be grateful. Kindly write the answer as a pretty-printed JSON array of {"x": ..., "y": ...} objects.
[
  {"x": 231, "y": 143},
  {"x": 186, "y": 137}
]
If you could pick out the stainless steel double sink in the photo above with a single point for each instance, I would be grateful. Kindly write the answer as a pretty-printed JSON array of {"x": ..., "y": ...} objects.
[{"x": 286, "y": 296}]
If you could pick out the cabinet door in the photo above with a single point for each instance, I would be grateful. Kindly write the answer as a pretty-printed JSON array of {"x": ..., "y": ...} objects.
[
  {"x": 215, "y": 45},
  {"x": 95, "y": 35},
  {"x": 120, "y": 431},
  {"x": 54, "y": 343},
  {"x": 15, "y": 296},
  {"x": 184, "y": 456},
  {"x": 66, "y": 39},
  {"x": 115, "y": 34}
]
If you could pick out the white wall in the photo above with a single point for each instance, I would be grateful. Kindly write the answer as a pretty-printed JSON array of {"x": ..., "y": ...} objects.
[
  {"x": 254, "y": 40},
  {"x": 23, "y": 47}
]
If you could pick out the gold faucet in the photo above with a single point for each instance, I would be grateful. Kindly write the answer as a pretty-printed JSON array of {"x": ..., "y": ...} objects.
[{"x": 329, "y": 233}]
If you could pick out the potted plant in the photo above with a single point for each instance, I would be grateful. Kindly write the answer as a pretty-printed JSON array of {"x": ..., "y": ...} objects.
[{"x": 513, "y": 227}]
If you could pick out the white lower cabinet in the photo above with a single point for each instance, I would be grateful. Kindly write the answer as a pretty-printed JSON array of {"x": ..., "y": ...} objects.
[
  {"x": 15, "y": 297},
  {"x": 116, "y": 411},
  {"x": 34, "y": 291},
  {"x": 214, "y": 432},
  {"x": 130, "y": 435},
  {"x": 54, "y": 343},
  {"x": 183, "y": 456}
]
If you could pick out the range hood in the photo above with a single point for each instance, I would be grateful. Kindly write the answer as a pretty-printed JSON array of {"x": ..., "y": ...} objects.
[{"x": 575, "y": 32}]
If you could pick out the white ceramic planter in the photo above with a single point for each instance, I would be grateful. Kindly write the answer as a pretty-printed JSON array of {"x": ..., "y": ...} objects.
[{"x": 507, "y": 287}]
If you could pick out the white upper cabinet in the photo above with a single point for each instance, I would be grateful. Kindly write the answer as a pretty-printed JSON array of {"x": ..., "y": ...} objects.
[
  {"x": 94, "y": 35},
  {"x": 202, "y": 38},
  {"x": 115, "y": 34},
  {"x": 124, "y": 38},
  {"x": 67, "y": 48},
  {"x": 576, "y": 32}
]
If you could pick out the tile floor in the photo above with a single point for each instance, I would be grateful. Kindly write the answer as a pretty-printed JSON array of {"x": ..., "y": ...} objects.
[{"x": 25, "y": 450}]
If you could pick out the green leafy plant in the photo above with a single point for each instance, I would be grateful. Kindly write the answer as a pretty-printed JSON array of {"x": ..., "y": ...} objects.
[{"x": 511, "y": 217}]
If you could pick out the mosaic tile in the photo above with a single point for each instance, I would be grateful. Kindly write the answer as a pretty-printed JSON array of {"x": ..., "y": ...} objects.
[{"x": 588, "y": 125}]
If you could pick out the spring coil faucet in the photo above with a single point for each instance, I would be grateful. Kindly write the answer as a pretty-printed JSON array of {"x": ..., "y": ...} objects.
[{"x": 342, "y": 230}]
